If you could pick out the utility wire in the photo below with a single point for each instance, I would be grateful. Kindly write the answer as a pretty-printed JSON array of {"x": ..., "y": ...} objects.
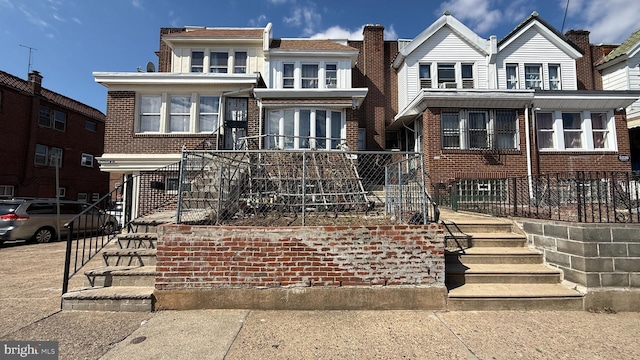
[{"x": 566, "y": 9}]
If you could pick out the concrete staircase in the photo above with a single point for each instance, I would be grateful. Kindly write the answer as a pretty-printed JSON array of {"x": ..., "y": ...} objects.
[
  {"x": 488, "y": 267},
  {"x": 125, "y": 280}
]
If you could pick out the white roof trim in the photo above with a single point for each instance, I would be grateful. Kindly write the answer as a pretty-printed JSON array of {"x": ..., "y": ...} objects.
[
  {"x": 547, "y": 33},
  {"x": 136, "y": 162},
  {"x": 445, "y": 20},
  {"x": 263, "y": 93},
  {"x": 165, "y": 78}
]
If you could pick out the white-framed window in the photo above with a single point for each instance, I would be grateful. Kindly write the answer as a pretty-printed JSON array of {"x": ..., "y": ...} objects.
[
  {"x": 331, "y": 76},
  {"x": 480, "y": 129},
  {"x": 305, "y": 128},
  {"x": 555, "y": 82},
  {"x": 288, "y": 76},
  {"x": 512, "y": 76},
  {"x": 575, "y": 130},
  {"x": 59, "y": 120},
  {"x": 218, "y": 62},
  {"x": 533, "y": 76},
  {"x": 82, "y": 197},
  {"x": 240, "y": 62},
  {"x": 197, "y": 61},
  {"x": 150, "y": 109},
  {"x": 179, "y": 113},
  {"x": 425, "y": 76},
  {"x": 90, "y": 126},
  {"x": 47, "y": 156},
  {"x": 6, "y": 191},
  {"x": 44, "y": 117},
  {"x": 87, "y": 160},
  {"x": 208, "y": 111},
  {"x": 468, "y": 81},
  {"x": 309, "y": 76},
  {"x": 446, "y": 75}
]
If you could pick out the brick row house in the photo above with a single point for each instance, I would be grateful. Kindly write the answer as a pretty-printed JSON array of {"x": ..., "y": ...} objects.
[
  {"x": 40, "y": 128},
  {"x": 477, "y": 108}
]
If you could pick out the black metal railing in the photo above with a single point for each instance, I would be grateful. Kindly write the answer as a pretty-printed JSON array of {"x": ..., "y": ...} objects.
[{"x": 581, "y": 196}]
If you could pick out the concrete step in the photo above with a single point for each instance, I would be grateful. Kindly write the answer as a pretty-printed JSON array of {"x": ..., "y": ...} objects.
[
  {"x": 493, "y": 296},
  {"x": 495, "y": 255},
  {"x": 121, "y": 276},
  {"x": 473, "y": 226},
  {"x": 121, "y": 298},
  {"x": 498, "y": 240},
  {"x": 459, "y": 274},
  {"x": 138, "y": 240},
  {"x": 129, "y": 257}
]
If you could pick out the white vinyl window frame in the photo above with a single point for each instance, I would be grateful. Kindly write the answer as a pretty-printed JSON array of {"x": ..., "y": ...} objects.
[
  {"x": 533, "y": 76},
  {"x": 301, "y": 128},
  {"x": 512, "y": 76},
  {"x": 298, "y": 74},
  {"x": 6, "y": 191},
  {"x": 555, "y": 78},
  {"x": 196, "y": 117},
  {"x": 424, "y": 73},
  {"x": 86, "y": 160},
  {"x": 586, "y": 135},
  {"x": 479, "y": 129}
]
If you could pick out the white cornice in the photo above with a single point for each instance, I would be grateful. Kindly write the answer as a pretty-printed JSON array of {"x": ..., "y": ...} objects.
[{"x": 163, "y": 78}]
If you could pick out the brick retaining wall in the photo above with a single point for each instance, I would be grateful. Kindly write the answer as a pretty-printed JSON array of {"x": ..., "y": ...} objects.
[{"x": 226, "y": 262}]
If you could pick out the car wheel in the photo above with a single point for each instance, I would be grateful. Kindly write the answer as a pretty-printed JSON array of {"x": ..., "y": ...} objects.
[{"x": 44, "y": 235}]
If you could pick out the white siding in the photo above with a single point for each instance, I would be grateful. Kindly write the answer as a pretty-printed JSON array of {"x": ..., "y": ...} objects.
[
  {"x": 443, "y": 47},
  {"x": 616, "y": 77},
  {"x": 402, "y": 87},
  {"x": 634, "y": 72},
  {"x": 533, "y": 48}
]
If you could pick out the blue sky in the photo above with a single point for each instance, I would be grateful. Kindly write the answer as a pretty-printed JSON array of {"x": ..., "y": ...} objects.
[{"x": 74, "y": 38}]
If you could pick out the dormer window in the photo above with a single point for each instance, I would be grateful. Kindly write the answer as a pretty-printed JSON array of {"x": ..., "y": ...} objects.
[
  {"x": 240, "y": 62},
  {"x": 446, "y": 75},
  {"x": 512, "y": 76},
  {"x": 197, "y": 61},
  {"x": 425, "y": 76},
  {"x": 467, "y": 76},
  {"x": 309, "y": 76},
  {"x": 218, "y": 62},
  {"x": 554, "y": 77},
  {"x": 331, "y": 76},
  {"x": 288, "y": 78},
  {"x": 533, "y": 76}
]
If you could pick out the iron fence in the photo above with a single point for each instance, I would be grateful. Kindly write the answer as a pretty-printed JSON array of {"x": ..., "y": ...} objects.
[
  {"x": 280, "y": 187},
  {"x": 582, "y": 196}
]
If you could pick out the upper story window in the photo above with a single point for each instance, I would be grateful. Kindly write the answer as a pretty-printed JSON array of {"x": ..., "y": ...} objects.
[
  {"x": 240, "y": 62},
  {"x": 331, "y": 76},
  {"x": 178, "y": 113},
  {"x": 446, "y": 75},
  {"x": 44, "y": 117},
  {"x": 309, "y": 76},
  {"x": 480, "y": 129},
  {"x": 59, "y": 120},
  {"x": 533, "y": 76},
  {"x": 288, "y": 77},
  {"x": 218, "y": 62},
  {"x": 86, "y": 160},
  {"x": 48, "y": 156},
  {"x": 425, "y": 76},
  {"x": 467, "y": 76},
  {"x": 197, "y": 61},
  {"x": 554, "y": 77},
  {"x": 512, "y": 76},
  {"x": 575, "y": 131},
  {"x": 90, "y": 126},
  {"x": 52, "y": 118},
  {"x": 6, "y": 191}
]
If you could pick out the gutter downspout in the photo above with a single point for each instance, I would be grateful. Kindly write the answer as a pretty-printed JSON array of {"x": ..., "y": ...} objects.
[
  {"x": 528, "y": 146},
  {"x": 260, "y": 119}
]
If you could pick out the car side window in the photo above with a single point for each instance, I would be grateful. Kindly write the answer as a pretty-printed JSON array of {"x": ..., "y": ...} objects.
[{"x": 41, "y": 208}]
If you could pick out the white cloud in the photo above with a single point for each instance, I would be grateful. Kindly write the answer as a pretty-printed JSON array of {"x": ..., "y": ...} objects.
[
  {"x": 7, "y": 3},
  {"x": 477, "y": 14},
  {"x": 337, "y": 32},
  {"x": 32, "y": 18},
  {"x": 59, "y": 18},
  {"x": 76, "y": 20},
  {"x": 306, "y": 17},
  {"x": 137, "y": 4},
  {"x": 604, "y": 20},
  {"x": 261, "y": 20},
  {"x": 278, "y": 2}
]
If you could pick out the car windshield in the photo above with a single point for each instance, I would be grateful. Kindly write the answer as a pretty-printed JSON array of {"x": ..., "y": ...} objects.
[{"x": 8, "y": 208}]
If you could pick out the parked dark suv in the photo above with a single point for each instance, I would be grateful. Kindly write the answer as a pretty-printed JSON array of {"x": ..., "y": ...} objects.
[{"x": 35, "y": 219}]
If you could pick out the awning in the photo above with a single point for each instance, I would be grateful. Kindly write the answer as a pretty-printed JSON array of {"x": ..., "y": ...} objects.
[
  {"x": 585, "y": 100},
  {"x": 353, "y": 96}
]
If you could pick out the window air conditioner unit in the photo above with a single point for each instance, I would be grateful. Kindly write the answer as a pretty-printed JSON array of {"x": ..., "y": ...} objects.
[{"x": 448, "y": 85}]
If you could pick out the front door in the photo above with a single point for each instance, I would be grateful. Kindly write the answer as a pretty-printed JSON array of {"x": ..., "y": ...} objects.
[{"x": 235, "y": 124}]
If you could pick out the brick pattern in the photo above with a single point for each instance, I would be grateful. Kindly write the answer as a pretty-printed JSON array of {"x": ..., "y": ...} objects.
[
  {"x": 584, "y": 64},
  {"x": 190, "y": 257}
]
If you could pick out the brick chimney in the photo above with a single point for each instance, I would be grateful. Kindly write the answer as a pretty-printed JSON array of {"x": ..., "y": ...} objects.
[
  {"x": 374, "y": 74},
  {"x": 584, "y": 65},
  {"x": 35, "y": 82}
]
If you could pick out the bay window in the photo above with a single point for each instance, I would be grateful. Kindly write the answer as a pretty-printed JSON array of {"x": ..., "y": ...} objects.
[
  {"x": 600, "y": 129},
  {"x": 544, "y": 122},
  {"x": 304, "y": 129},
  {"x": 575, "y": 131},
  {"x": 572, "y": 127}
]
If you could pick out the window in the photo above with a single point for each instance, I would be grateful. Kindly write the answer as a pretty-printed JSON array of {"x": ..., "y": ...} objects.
[
  {"x": 47, "y": 156},
  {"x": 450, "y": 130},
  {"x": 512, "y": 76},
  {"x": 87, "y": 160},
  {"x": 467, "y": 76},
  {"x": 90, "y": 126},
  {"x": 446, "y": 74},
  {"x": 208, "y": 116},
  {"x": 362, "y": 139},
  {"x": 554, "y": 77},
  {"x": 44, "y": 117},
  {"x": 59, "y": 120},
  {"x": 600, "y": 128},
  {"x": 331, "y": 76},
  {"x": 197, "y": 61},
  {"x": 480, "y": 129},
  {"x": 62, "y": 192},
  {"x": 95, "y": 197},
  {"x": 309, "y": 76},
  {"x": 82, "y": 197},
  {"x": 180, "y": 113},
  {"x": 41, "y": 155},
  {"x": 425, "y": 76},
  {"x": 304, "y": 129},
  {"x": 218, "y": 62},
  {"x": 288, "y": 79},
  {"x": 583, "y": 131},
  {"x": 6, "y": 191},
  {"x": 532, "y": 77},
  {"x": 150, "y": 113},
  {"x": 240, "y": 62},
  {"x": 572, "y": 126}
]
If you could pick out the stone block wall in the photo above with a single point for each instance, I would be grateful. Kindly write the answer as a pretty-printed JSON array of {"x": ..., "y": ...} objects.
[{"x": 320, "y": 267}]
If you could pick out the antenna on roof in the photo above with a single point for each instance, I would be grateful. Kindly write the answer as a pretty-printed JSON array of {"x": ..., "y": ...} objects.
[
  {"x": 30, "y": 51},
  {"x": 151, "y": 67}
]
